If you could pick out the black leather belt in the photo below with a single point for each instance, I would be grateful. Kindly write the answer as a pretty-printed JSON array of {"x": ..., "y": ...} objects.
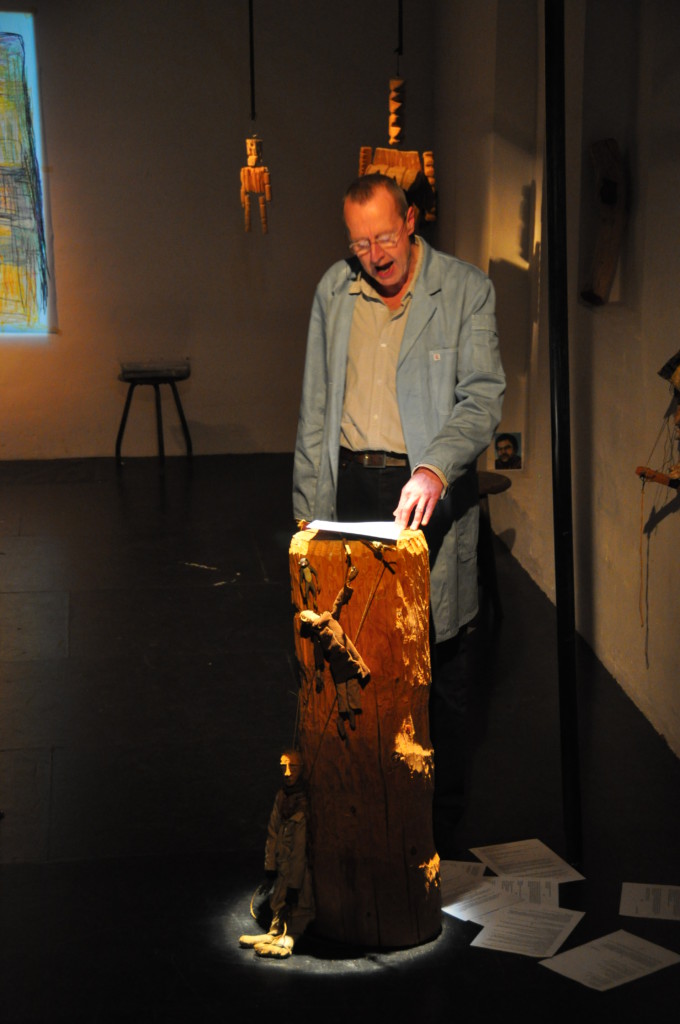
[{"x": 374, "y": 460}]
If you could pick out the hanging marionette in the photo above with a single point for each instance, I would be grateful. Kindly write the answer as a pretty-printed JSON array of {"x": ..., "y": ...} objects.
[
  {"x": 255, "y": 181},
  {"x": 416, "y": 177}
]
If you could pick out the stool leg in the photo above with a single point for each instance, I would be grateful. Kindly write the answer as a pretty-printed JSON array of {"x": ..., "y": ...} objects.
[
  {"x": 182, "y": 418},
  {"x": 159, "y": 423},
  {"x": 123, "y": 421}
]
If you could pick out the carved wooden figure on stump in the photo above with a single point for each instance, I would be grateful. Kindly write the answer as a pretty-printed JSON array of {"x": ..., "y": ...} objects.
[
  {"x": 331, "y": 644},
  {"x": 376, "y": 871},
  {"x": 287, "y": 880}
]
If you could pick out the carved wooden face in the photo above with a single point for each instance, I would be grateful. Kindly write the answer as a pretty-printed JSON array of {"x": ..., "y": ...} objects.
[
  {"x": 254, "y": 151},
  {"x": 291, "y": 768}
]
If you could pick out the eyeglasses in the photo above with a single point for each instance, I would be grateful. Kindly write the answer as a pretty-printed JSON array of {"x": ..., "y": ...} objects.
[{"x": 386, "y": 241}]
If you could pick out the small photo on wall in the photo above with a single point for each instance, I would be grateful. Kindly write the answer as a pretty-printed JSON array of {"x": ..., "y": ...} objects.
[{"x": 507, "y": 450}]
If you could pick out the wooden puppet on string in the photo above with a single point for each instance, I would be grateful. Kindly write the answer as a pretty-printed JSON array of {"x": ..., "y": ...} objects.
[
  {"x": 415, "y": 176},
  {"x": 255, "y": 181}
]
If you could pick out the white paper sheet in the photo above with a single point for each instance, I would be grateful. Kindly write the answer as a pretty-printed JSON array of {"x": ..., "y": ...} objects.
[
  {"x": 474, "y": 899},
  {"x": 659, "y": 901},
  {"x": 457, "y": 877},
  {"x": 612, "y": 960},
  {"x": 379, "y": 531},
  {"x": 479, "y": 902},
  {"x": 540, "y": 892},
  {"x": 523, "y": 928},
  {"x": 528, "y": 858}
]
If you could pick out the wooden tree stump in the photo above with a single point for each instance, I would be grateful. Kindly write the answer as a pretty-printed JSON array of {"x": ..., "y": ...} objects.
[{"x": 375, "y": 867}]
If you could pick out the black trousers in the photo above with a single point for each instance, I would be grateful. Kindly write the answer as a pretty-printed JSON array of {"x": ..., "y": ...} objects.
[{"x": 373, "y": 494}]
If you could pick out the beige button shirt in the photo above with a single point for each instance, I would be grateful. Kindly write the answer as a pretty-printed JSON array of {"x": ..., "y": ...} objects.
[{"x": 370, "y": 415}]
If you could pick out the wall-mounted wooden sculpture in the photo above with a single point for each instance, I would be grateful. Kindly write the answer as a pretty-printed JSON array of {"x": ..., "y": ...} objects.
[
  {"x": 415, "y": 175},
  {"x": 255, "y": 181}
]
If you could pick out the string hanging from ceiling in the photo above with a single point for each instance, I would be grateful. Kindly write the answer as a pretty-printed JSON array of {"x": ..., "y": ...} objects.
[{"x": 255, "y": 177}]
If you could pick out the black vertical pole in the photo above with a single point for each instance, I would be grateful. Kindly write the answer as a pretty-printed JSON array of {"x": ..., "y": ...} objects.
[
  {"x": 560, "y": 422},
  {"x": 251, "y": 32}
]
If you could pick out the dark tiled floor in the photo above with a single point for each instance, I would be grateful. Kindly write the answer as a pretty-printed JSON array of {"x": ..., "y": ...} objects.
[{"x": 146, "y": 689}]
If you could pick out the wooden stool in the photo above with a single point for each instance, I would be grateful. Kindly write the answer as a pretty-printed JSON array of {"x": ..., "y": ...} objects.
[
  {"x": 489, "y": 483},
  {"x": 154, "y": 374}
]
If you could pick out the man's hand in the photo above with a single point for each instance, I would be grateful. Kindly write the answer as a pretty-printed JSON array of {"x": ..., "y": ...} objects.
[{"x": 419, "y": 497}]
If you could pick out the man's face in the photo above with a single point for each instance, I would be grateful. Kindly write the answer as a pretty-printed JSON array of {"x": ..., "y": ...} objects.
[
  {"x": 505, "y": 450},
  {"x": 291, "y": 769},
  {"x": 387, "y": 267}
]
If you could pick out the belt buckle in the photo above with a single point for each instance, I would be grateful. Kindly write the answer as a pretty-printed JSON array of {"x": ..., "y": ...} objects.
[{"x": 373, "y": 460}]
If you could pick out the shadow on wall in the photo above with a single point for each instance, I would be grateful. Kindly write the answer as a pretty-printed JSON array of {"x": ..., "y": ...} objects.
[
  {"x": 507, "y": 538},
  {"x": 513, "y": 311},
  {"x": 513, "y": 285}
]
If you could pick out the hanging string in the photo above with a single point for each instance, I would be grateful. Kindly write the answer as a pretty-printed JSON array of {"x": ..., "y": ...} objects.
[
  {"x": 370, "y": 600},
  {"x": 642, "y": 560},
  {"x": 252, "y": 60},
  {"x": 664, "y": 426},
  {"x": 400, "y": 32},
  {"x": 666, "y": 458}
]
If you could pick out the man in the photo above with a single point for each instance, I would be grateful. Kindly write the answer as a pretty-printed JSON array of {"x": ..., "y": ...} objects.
[
  {"x": 507, "y": 456},
  {"x": 402, "y": 391}
]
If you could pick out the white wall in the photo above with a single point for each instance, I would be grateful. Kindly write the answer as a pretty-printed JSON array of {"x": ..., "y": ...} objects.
[
  {"x": 623, "y": 81},
  {"x": 146, "y": 107}
]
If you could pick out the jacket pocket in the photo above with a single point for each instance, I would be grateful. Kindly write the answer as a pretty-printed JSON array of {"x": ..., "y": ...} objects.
[
  {"x": 484, "y": 343},
  {"x": 442, "y": 378}
]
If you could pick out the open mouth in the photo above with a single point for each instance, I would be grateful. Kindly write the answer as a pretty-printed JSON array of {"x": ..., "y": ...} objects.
[{"x": 384, "y": 269}]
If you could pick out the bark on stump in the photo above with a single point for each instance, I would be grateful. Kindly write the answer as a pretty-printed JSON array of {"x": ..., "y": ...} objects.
[{"x": 374, "y": 863}]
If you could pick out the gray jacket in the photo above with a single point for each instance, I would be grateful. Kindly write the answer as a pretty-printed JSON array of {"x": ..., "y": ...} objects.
[{"x": 450, "y": 385}]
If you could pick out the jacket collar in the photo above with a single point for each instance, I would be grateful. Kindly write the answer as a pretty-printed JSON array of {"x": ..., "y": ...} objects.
[{"x": 423, "y": 303}]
